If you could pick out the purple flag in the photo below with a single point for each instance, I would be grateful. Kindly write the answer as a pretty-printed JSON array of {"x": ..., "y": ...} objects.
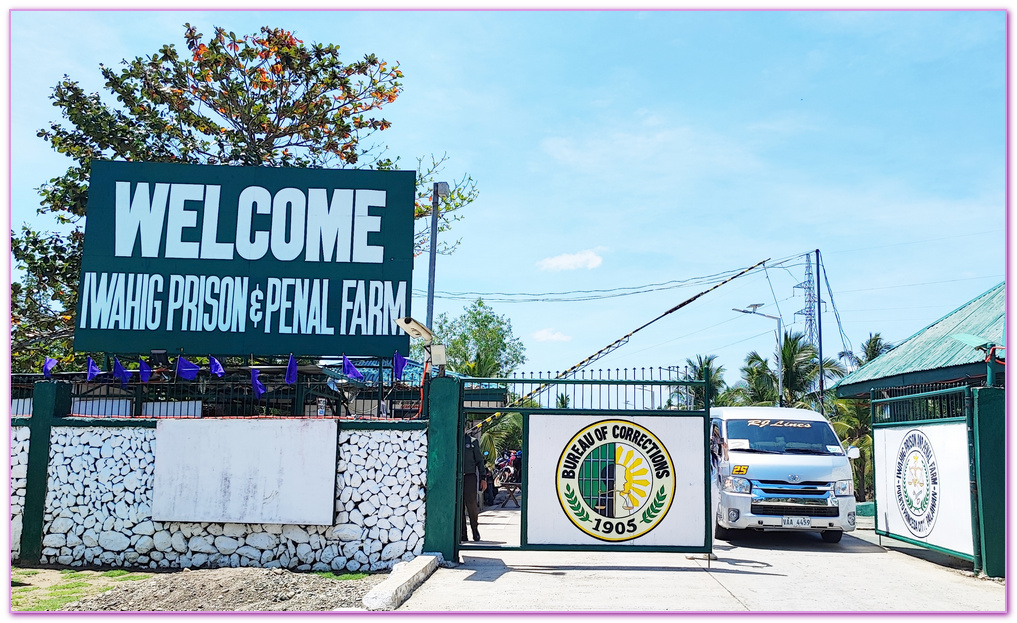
[
  {"x": 93, "y": 370},
  {"x": 398, "y": 364},
  {"x": 120, "y": 373},
  {"x": 259, "y": 389},
  {"x": 350, "y": 370},
  {"x": 215, "y": 367},
  {"x": 186, "y": 369},
  {"x": 144, "y": 370},
  {"x": 291, "y": 371},
  {"x": 47, "y": 367}
]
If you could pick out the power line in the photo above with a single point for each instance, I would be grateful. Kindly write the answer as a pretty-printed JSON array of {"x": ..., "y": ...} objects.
[
  {"x": 924, "y": 283},
  {"x": 573, "y": 296}
]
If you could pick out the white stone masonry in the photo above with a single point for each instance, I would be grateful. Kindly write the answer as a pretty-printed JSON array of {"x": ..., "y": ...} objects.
[
  {"x": 99, "y": 500},
  {"x": 19, "y": 473}
]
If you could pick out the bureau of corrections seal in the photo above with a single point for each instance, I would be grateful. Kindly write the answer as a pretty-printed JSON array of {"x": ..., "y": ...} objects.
[
  {"x": 916, "y": 483},
  {"x": 615, "y": 480}
]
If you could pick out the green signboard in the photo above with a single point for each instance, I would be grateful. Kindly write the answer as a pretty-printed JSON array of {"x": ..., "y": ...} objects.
[{"x": 245, "y": 260}]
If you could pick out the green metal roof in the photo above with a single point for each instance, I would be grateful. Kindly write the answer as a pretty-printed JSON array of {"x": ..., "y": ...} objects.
[{"x": 933, "y": 348}]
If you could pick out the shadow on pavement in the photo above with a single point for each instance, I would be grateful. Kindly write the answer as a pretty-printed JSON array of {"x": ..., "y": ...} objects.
[
  {"x": 799, "y": 541},
  {"x": 490, "y": 569}
]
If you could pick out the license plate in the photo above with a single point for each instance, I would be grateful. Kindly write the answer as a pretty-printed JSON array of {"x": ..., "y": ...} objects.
[{"x": 796, "y": 522}]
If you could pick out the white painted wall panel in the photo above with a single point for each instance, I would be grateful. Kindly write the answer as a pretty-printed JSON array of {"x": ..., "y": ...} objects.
[
  {"x": 245, "y": 471},
  {"x": 184, "y": 408}
]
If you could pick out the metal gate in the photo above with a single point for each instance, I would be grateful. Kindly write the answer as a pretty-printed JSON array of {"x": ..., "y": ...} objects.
[
  {"x": 612, "y": 464},
  {"x": 925, "y": 464}
]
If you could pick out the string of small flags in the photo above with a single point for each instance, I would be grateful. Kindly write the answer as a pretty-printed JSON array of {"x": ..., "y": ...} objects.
[{"x": 188, "y": 370}]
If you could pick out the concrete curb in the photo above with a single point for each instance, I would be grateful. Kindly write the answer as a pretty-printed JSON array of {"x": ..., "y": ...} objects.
[{"x": 404, "y": 579}]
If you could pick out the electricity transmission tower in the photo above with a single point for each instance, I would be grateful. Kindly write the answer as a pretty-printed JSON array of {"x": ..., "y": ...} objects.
[{"x": 808, "y": 285}]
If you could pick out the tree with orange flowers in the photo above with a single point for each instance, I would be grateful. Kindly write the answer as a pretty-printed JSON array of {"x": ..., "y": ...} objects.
[{"x": 266, "y": 99}]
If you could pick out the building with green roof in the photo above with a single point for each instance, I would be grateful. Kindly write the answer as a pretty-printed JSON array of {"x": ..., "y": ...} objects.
[
  {"x": 945, "y": 384},
  {"x": 954, "y": 349}
]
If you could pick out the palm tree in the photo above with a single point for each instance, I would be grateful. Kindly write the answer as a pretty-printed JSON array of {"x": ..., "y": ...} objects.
[
  {"x": 871, "y": 348},
  {"x": 800, "y": 367},
  {"x": 703, "y": 369},
  {"x": 851, "y": 423},
  {"x": 852, "y": 419},
  {"x": 758, "y": 385}
]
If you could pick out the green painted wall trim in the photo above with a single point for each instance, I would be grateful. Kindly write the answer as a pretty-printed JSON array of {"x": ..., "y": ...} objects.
[
  {"x": 944, "y": 420},
  {"x": 21, "y": 421},
  {"x": 935, "y": 548},
  {"x": 52, "y": 400},
  {"x": 444, "y": 438},
  {"x": 990, "y": 459}
]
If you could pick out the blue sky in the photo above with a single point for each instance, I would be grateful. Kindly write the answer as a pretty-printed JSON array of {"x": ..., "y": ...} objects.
[{"x": 616, "y": 149}]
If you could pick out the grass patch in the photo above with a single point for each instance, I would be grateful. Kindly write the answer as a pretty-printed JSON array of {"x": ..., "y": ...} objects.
[
  {"x": 134, "y": 577},
  {"x": 71, "y": 573},
  {"x": 25, "y": 572},
  {"x": 115, "y": 573},
  {"x": 69, "y": 586},
  {"x": 51, "y": 603},
  {"x": 328, "y": 575}
]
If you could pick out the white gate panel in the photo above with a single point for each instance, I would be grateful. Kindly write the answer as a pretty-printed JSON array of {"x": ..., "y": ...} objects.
[
  {"x": 922, "y": 484},
  {"x": 637, "y": 464}
]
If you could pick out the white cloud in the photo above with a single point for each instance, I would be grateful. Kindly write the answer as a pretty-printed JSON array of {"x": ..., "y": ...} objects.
[
  {"x": 571, "y": 261},
  {"x": 550, "y": 335}
]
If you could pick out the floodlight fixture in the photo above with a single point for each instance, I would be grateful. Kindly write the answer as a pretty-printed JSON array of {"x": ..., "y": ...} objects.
[{"x": 415, "y": 329}]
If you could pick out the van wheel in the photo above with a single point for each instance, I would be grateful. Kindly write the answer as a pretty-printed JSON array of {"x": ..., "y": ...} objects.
[
  {"x": 722, "y": 533},
  {"x": 832, "y": 536}
]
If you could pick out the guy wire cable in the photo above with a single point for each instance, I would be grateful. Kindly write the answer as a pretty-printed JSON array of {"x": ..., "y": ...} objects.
[{"x": 611, "y": 347}]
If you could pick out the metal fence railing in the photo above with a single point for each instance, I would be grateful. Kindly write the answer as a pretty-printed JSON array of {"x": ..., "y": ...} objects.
[
  {"x": 916, "y": 406},
  {"x": 233, "y": 396},
  {"x": 600, "y": 389}
]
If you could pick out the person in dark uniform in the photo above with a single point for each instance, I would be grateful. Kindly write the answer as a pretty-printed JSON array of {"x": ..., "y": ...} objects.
[{"x": 473, "y": 465}]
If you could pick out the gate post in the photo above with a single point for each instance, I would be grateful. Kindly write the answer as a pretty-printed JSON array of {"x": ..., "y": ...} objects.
[
  {"x": 51, "y": 399},
  {"x": 444, "y": 438}
]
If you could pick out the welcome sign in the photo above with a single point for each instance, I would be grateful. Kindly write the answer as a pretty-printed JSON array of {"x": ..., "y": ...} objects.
[{"x": 245, "y": 260}]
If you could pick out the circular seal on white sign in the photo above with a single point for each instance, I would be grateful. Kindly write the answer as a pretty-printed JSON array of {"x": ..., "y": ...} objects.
[
  {"x": 615, "y": 480},
  {"x": 916, "y": 483}
]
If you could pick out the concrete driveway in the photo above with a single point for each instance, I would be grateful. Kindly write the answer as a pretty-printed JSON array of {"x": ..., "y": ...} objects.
[{"x": 760, "y": 572}]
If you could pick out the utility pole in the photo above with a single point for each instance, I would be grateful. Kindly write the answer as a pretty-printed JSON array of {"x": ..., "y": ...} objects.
[
  {"x": 819, "y": 340},
  {"x": 440, "y": 190}
]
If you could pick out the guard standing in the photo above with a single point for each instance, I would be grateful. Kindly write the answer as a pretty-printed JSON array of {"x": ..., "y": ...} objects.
[{"x": 473, "y": 464}]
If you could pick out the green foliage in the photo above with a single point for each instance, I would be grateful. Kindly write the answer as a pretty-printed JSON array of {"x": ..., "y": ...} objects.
[
  {"x": 328, "y": 575},
  {"x": 479, "y": 342},
  {"x": 574, "y": 505},
  {"x": 265, "y": 99},
  {"x": 653, "y": 508},
  {"x": 506, "y": 433}
]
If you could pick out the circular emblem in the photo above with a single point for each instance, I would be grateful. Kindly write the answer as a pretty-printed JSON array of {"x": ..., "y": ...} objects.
[
  {"x": 916, "y": 481},
  {"x": 615, "y": 480}
]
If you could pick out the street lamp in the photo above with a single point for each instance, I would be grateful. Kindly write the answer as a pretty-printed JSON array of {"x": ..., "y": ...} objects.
[
  {"x": 440, "y": 190},
  {"x": 780, "y": 347}
]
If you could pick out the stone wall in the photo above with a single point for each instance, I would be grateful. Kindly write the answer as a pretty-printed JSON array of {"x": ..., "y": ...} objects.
[
  {"x": 99, "y": 500},
  {"x": 19, "y": 472}
]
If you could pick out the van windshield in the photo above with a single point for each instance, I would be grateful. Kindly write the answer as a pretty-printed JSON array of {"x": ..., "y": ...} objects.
[{"x": 782, "y": 436}]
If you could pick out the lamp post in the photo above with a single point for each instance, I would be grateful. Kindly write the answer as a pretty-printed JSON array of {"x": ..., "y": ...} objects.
[
  {"x": 780, "y": 347},
  {"x": 440, "y": 190}
]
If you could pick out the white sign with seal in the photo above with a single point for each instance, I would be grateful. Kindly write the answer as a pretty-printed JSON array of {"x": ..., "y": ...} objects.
[
  {"x": 922, "y": 488},
  {"x": 617, "y": 480}
]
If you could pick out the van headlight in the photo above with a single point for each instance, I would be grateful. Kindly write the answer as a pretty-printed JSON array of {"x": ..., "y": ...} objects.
[
  {"x": 733, "y": 484},
  {"x": 844, "y": 487}
]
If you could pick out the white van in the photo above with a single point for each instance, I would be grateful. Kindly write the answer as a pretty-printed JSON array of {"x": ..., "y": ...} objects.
[{"x": 779, "y": 469}]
